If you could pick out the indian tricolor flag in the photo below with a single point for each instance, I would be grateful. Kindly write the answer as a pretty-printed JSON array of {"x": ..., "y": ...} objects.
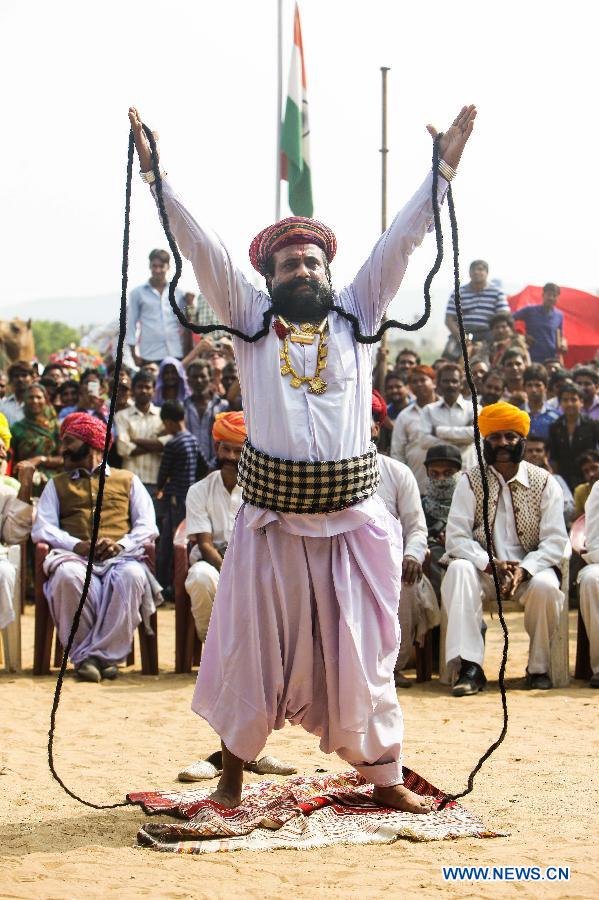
[{"x": 295, "y": 133}]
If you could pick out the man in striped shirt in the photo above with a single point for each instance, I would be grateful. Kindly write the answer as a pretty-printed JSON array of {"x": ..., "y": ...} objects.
[{"x": 480, "y": 302}]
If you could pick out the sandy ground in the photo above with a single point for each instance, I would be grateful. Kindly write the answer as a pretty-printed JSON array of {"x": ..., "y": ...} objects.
[{"x": 135, "y": 734}]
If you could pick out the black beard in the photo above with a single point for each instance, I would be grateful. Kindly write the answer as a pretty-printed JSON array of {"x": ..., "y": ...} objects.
[
  {"x": 516, "y": 452},
  {"x": 309, "y": 307},
  {"x": 73, "y": 457}
]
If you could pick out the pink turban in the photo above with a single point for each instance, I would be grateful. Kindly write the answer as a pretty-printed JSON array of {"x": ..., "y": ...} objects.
[
  {"x": 86, "y": 428},
  {"x": 294, "y": 230}
]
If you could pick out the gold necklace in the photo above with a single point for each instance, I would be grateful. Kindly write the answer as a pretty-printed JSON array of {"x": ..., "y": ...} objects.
[{"x": 305, "y": 334}]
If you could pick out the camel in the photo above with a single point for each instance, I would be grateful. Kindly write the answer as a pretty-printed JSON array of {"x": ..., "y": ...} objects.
[{"x": 16, "y": 341}]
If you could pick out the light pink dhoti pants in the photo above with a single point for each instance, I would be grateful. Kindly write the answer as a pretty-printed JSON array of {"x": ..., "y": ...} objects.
[
  {"x": 305, "y": 629},
  {"x": 111, "y": 612}
]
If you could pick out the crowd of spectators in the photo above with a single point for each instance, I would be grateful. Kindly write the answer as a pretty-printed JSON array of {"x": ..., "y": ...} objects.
[{"x": 166, "y": 409}]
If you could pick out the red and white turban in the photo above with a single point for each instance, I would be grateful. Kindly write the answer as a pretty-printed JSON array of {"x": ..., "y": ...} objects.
[
  {"x": 229, "y": 427},
  {"x": 294, "y": 230},
  {"x": 86, "y": 428}
]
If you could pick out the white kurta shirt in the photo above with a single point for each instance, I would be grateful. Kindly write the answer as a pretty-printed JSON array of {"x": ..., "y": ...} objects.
[
  {"x": 553, "y": 538},
  {"x": 211, "y": 509},
  {"x": 399, "y": 492},
  {"x": 405, "y": 441},
  {"x": 290, "y": 423}
]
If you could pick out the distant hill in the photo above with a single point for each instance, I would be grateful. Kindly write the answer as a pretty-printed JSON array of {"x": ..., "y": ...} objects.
[{"x": 75, "y": 311}]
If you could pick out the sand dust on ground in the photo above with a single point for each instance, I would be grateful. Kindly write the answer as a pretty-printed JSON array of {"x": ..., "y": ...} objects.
[{"x": 137, "y": 733}]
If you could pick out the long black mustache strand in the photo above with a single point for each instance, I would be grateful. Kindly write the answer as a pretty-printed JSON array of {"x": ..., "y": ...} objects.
[{"x": 516, "y": 452}]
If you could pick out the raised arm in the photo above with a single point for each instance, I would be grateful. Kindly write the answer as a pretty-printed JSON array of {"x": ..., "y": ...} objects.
[
  {"x": 229, "y": 294},
  {"x": 379, "y": 279}
]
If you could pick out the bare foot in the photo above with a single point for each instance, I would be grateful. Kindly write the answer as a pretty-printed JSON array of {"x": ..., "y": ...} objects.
[
  {"x": 226, "y": 795},
  {"x": 228, "y": 789},
  {"x": 399, "y": 797}
]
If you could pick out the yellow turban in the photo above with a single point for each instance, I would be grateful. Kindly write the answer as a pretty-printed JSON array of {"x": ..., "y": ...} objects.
[
  {"x": 230, "y": 427},
  {"x": 5, "y": 435},
  {"x": 503, "y": 417}
]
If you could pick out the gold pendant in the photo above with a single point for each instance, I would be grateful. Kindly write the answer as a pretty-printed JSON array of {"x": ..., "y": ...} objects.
[
  {"x": 285, "y": 370},
  {"x": 302, "y": 338},
  {"x": 317, "y": 385},
  {"x": 296, "y": 382},
  {"x": 309, "y": 328}
]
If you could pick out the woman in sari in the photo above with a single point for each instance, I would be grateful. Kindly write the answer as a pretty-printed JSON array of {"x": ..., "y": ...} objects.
[
  {"x": 36, "y": 436},
  {"x": 171, "y": 383}
]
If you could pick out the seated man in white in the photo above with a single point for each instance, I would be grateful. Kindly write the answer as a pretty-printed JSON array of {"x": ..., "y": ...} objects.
[
  {"x": 15, "y": 527},
  {"x": 588, "y": 580},
  {"x": 398, "y": 489},
  {"x": 529, "y": 541},
  {"x": 122, "y": 591},
  {"x": 211, "y": 507}
]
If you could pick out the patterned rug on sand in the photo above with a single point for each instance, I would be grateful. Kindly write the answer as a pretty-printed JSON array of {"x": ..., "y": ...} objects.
[{"x": 301, "y": 813}]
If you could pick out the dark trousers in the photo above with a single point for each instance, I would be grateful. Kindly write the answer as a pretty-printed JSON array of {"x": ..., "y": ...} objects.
[{"x": 174, "y": 513}]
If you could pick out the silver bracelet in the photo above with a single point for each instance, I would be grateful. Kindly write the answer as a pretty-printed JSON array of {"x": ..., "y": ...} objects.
[
  {"x": 447, "y": 171},
  {"x": 150, "y": 178}
]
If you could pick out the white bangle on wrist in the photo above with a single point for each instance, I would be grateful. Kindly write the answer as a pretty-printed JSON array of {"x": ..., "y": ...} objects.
[
  {"x": 149, "y": 177},
  {"x": 447, "y": 171}
]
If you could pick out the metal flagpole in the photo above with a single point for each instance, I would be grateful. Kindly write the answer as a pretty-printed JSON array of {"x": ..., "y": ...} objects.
[
  {"x": 279, "y": 104},
  {"x": 384, "y": 151}
]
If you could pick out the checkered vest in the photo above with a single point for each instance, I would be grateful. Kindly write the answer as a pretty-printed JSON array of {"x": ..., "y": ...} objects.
[
  {"x": 525, "y": 500},
  {"x": 289, "y": 486}
]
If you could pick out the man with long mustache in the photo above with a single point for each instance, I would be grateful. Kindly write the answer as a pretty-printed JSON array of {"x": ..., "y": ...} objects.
[
  {"x": 529, "y": 540},
  {"x": 304, "y": 627}
]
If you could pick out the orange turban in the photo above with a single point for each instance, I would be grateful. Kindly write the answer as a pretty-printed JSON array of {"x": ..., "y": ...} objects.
[
  {"x": 422, "y": 370},
  {"x": 230, "y": 427},
  {"x": 503, "y": 416}
]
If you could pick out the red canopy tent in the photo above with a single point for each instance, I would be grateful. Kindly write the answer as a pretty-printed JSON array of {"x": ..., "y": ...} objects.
[{"x": 581, "y": 320}]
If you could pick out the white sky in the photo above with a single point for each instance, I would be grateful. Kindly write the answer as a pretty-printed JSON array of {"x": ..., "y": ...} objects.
[{"x": 204, "y": 75}]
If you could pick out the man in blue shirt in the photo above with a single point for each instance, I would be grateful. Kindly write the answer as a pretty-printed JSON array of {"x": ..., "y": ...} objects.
[
  {"x": 541, "y": 415},
  {"x": 544, "y": 326},
  {"x": 160, "y": 333}
]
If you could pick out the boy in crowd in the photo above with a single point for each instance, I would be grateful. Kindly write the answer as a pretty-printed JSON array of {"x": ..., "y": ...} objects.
[
  {"x": 571, "y": 435},
  {"x": 504, "y": 338},
  {"x": 176, "y": 475}
]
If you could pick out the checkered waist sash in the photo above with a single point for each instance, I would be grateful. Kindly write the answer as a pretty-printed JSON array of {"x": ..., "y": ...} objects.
[{"x": 287, "y": 486}]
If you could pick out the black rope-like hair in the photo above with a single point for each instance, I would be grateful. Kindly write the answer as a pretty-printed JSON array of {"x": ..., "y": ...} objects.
[
  {"x": 366, "y": 339},
  {"x": 98, "y": 510}
]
